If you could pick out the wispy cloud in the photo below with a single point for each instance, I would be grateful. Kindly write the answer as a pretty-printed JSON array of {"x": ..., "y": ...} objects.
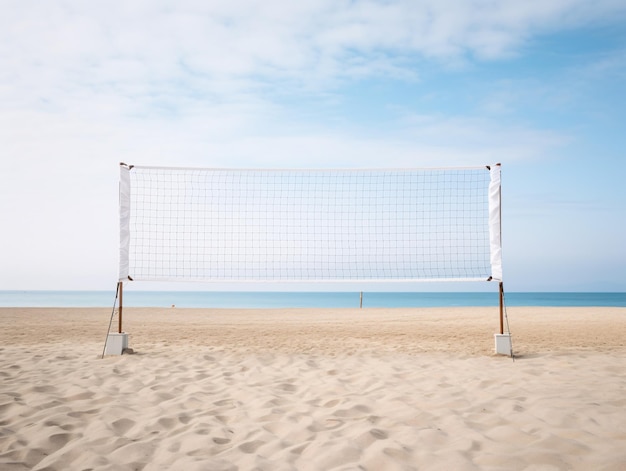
[
  {"x": 54, "y": 48},
  {"x": 215, "y": 68}
]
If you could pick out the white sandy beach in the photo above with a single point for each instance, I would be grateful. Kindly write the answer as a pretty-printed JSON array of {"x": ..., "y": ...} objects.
[{"x": 313, "y": 389}]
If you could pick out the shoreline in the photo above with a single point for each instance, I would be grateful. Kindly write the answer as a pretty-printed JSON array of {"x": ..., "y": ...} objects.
[{"x": 308, "y": 299}]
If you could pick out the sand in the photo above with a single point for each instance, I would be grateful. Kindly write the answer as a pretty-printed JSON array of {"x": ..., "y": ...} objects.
[{"x": 311, "y": 389}]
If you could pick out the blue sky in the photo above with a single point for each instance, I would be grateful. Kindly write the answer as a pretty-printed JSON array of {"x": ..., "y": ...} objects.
[{"x": 535, "y": 85}]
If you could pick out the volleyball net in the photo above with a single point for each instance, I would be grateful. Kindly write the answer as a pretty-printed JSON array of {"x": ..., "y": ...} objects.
[{"x": 283, "y": 225}]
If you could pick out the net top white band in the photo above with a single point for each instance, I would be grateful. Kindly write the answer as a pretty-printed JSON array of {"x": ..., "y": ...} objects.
[{"x": 307, "y": 169}]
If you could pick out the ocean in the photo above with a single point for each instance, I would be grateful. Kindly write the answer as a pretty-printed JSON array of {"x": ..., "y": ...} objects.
[{"x": 212, "y": 299}]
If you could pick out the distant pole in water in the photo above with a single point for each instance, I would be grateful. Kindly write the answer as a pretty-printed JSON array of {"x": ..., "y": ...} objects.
[{"x": 361, "y": 301}]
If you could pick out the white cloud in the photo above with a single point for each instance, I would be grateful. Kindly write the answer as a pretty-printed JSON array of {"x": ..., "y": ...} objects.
[
  {"x": 133, "y": 74},
  {"x": 146, "y": 58},
  {"x": 56, "y": 47}
]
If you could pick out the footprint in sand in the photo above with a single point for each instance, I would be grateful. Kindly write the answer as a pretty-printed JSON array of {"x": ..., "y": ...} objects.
[
  {"x": 81, "y": 414},
  {"x": 251, "y": 447},
  {"x": 184, "y": 419},
  {"x": 52, "y": 423},
  {"x": 223, "y": 402},
  {"x": 353, "y": 412},
  {"x": 167, "y": 422},
  {"x": 297, "y": 450},
  {"x": 59, "y": 440},
  {"x": 330, "y": 424},
  {"x": 379, "y": 434},
  {"x": 332, "y": 403},
  {"x": 80, "y": 396},
  {"x": 221, "y": 441},
  {"x": 121, "y": 426},
  {"x": 287, "y": 387},
  {"x": 276, "y": 402}
]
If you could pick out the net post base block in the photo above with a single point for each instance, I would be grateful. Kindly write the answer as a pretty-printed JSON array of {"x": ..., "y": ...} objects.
[
  {"x": 116, "y": 343},
  {"x": 503, "y": 344}
]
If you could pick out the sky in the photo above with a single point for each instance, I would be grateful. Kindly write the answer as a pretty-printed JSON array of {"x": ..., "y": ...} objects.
[{"x": 537, "y": 86}]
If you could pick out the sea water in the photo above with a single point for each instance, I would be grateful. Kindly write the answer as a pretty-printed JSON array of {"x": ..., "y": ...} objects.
[{"x": 212, "y": 299}]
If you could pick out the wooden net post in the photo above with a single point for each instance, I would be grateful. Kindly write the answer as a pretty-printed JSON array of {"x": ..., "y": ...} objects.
[
  {"x": 121, "y": 289},
  {"x": 501, "y": 308}
]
